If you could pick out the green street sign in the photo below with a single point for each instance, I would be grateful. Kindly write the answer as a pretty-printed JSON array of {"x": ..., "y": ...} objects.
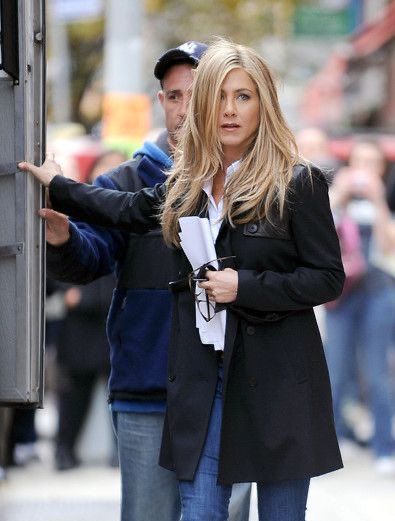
[{"x": 321, "y": 22}]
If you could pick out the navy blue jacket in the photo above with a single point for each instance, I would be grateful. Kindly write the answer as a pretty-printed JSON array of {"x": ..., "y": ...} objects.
[{"x": 139, "y": 319}]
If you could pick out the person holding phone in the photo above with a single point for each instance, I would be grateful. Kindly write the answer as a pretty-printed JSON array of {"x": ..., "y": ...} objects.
[{"x": 360, "y": 325}]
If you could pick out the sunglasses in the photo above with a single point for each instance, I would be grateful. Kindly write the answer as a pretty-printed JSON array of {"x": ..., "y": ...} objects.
[{"x": 204, "y": 305}]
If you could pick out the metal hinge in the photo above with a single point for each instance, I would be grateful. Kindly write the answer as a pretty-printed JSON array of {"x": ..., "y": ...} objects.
[{"x": 12, "y": 249}]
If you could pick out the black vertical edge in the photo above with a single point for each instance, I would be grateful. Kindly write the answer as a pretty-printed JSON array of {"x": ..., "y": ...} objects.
[{"x": 9, "y": 38}]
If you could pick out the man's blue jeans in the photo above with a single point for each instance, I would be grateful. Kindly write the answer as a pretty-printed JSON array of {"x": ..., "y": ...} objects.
[
  {"x": 360, "y": 329},
  {"x": 149, "y": 492},
  {"x": 203, "y": 499}
]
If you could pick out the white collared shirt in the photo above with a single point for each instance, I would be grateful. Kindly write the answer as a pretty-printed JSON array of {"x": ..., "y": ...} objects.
[
  {"x": 213, "y": 332},
  {"x": 215, "y": 210}
]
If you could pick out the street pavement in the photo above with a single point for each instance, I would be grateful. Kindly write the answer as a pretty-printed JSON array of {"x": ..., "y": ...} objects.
[
  {"x": 39, "y": 493},
  {"x": 91, "y": 493}
]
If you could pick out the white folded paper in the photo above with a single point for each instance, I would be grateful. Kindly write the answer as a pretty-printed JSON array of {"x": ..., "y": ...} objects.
[{"x": 198, "y": 246}]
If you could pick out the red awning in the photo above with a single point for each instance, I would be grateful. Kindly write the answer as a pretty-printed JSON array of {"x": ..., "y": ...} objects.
[
  {"x": 323, "y": 96},
  {"x": 373, "y": 36}
]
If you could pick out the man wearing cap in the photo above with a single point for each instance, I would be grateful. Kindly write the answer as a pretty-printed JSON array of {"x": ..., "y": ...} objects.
[{"x": 139, "y": 316}]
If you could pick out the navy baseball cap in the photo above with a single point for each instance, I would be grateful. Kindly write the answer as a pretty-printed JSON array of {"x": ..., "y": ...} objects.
[{"x": 189, "y": 52}]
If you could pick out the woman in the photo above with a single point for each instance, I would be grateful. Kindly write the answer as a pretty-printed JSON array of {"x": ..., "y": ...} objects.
[
  {"x": 363, "y": 318},
  {"x": 259, "y": 409}
]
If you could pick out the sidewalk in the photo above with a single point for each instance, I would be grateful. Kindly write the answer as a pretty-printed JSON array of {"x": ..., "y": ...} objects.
[
  {"x": 354, "y": 493},
  {"x": 39, "y": 493},
  {"x": 91, "y": 493}
]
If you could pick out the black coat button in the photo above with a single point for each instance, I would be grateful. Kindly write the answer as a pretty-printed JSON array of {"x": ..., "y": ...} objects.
[
  {"x": 172, "y": 377},
  {"x": 253, "y": 228},
  {"x": 253, "y": 383},
  {"x": 250, "y": 330},
  {"x": 272, "y": 316}
]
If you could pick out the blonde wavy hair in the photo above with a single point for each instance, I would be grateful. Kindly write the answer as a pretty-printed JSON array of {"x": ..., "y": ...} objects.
[{"x": 265, "y": 171}]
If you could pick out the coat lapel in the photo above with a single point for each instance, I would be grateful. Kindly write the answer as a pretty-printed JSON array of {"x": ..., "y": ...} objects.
[
  {"x": 222, "y": 232},
  {"x": 203, "y": 206}
]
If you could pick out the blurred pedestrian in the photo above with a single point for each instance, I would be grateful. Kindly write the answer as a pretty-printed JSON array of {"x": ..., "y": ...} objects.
[
  {"x": 252, "y": 404},
  {"x": 359, "y": 325},
  {"x": 4, "y": 427},
  {"x": 82, "y": 346},
  {"x": 22, "y": 437},
  {"x": 139, "y": 319},
  {"x": 313, "y": 144}
]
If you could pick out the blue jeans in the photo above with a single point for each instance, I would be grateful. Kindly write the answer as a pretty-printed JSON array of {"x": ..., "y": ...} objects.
[
  {"x": 203, "y": 499},
  {"x": 149, "y": 492},
  {"x": 361, "y": 328}
]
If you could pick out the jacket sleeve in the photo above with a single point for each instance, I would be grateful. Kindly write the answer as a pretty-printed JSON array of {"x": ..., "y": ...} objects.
[
  {"x": 319, "y": 275},
  {"x": 134, "y": 212},
  {"x": 91, "y": 251}
]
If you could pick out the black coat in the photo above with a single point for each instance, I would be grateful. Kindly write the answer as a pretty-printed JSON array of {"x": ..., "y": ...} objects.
[{"x": 277, "y": 416}]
